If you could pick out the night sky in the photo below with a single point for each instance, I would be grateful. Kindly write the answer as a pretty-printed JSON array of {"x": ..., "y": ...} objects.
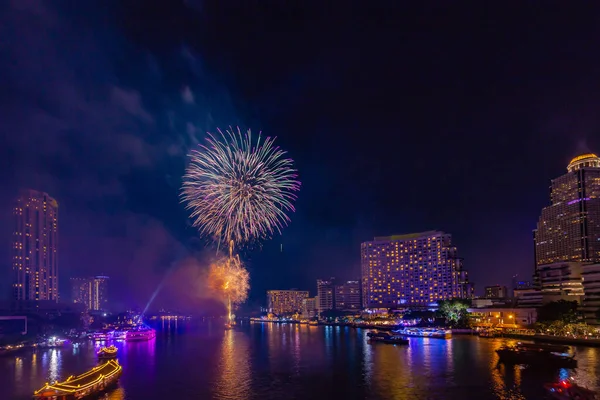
[{"x": 400, "y": 119}]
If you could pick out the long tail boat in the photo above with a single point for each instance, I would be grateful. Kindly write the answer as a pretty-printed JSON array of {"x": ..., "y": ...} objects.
[{"x": 91, "y": 383}]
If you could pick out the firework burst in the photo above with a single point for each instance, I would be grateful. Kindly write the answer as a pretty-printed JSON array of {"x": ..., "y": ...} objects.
[
  {"x": 239, "y": 189},
  {"x": 228, "y": 278}
]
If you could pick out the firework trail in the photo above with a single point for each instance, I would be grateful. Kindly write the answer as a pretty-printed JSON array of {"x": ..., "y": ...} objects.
[
  {"x": 239, "y": 189},
  {"x": 228, "y": 278}
]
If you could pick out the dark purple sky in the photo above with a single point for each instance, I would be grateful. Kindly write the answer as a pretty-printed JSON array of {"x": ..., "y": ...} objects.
[{"x": 400, "y": 118}]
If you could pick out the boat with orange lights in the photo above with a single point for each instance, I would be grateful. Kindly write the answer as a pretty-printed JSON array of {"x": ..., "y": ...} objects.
[
  {"x": 107, "y": 353},
  {"x": 91, "y": 383}
]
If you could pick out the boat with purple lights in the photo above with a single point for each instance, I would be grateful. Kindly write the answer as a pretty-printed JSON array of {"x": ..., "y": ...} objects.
[{"x": 139, "y": 333}]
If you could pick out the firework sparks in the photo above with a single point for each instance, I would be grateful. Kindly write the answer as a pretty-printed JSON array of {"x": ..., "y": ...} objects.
[
  {"x": 228, "y": 278},
  {"x": 239, "y": 189}
]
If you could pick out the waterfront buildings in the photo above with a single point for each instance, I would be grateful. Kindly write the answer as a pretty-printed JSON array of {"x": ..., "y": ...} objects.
[
  {"x": 92, "y": 292},
  {"x": 496, "y": 292},
  {"x": 326, "y": 294},
  {"x": 503, "y": 316},
  {"x": 34, "y": 247},
  {"x": 347, "y": 296},
  {"x": 282, "y": 302},
  {"x": 414, "y": 269},
  {"x": 567, "y": 237}
]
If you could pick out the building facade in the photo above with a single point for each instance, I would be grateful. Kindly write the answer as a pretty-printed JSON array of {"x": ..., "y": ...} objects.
[
  {"x": 591, "y": 289},
  {"x": 309, "y": 307},
  {"x": 326, "y": 294},
  {"x": 35, "y": 247},
  {"x": 569, "y": 229},
  {"x": 347, "y": 296},
  {"x": 496, "y": 292},
  {"x": 280, "y": 302},
  {"x": 91, "y": 292},
  {"x": 414, "y": 269}
]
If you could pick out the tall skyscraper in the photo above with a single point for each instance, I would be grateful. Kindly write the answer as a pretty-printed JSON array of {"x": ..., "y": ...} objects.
[
  {"x": 415, "y": 269},
  {"x": 569, "y": 229},
  {"x": 34, "y": 247},
  {"x": 281, "y": 302},
  {"x": 93, "y": 292},
  {"x": 326, "y": 294}
]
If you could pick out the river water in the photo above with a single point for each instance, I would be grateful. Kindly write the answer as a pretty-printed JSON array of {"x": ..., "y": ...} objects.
[{"x": 269, "y": 361}]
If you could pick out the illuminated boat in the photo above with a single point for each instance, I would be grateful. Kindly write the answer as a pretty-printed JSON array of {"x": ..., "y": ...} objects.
[
  {"x": 93, "y": 382},
  {"x": 140, "y": 333},
  {"x": 313, "y": 322},
  {"x": 568, "y": 389},
  {"x": 386, "y": 337},
  {"x": 100, "y": 336},
  {"x": 489, "y": 333},
  {"x": 107, "y": 353},
  {"x": 425, "y": 332},
  {"x": 540, "y": 355}
]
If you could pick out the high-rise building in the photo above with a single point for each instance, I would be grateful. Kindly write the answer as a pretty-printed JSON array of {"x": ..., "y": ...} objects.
[
  {"x": 496, "y": 292},
  {"x": 347, "y": 296},
  {"x": 415, "y": 269},
  {"x": 281, "y": 302},
  {"x": 92, "y": 292},
  {"x": 34, "y": 247},
  {"x": 569, "y": 229},
  {"x": 326, "y": 294}
]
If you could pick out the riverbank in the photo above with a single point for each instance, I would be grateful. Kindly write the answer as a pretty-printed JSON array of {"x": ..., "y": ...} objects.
[
  {"x": 556, "y": 339},
  {"x": 536, "y": 337}
]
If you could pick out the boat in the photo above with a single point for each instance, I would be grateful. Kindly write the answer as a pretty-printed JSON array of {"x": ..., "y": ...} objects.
[
  {"x": 568, "y": 389},
  {"x": 100, "y": 336},
  {"x": 425, "y": 332},
  {"x": 140, "y": 333},
  {"x": 542, "y": 355},
  {"x": 228, "y": 326},
  {"x": 107, "y": 353},
  {"x": 386, "y": 337},
  {"x": 489, "y": 333},
  {"x": 373, "y": 332},
  {"x": 313, "y": 322},
  {"x": 91, "y": 383}
]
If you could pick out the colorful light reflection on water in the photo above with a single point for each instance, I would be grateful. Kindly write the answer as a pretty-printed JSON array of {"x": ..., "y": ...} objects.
[{"x": 270, "y": 361}]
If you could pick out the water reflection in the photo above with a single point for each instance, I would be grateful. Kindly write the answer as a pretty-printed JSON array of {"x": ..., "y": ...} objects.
[
  {"x": 53, "y": 370},
  {"x": 268, "y": 361},
  {"x": 234, "y": 380}
]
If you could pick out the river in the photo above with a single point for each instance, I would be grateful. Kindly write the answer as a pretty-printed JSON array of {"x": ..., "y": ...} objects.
[{"x": 270, "y": 361}]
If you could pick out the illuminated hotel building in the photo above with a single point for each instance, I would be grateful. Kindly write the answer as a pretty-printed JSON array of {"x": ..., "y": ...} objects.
[
  {"x": 569, "y": 229},
  {"x": 568, "y": 232},
  {"x": 414, "y": 269},
  {"x": 281, "y": 302},
  {"x": 34, "y": 247},
  {"x": 92, "y": 292}
]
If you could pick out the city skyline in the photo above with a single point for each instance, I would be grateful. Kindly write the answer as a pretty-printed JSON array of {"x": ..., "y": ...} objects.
[{"x": 448, "y": 136}]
